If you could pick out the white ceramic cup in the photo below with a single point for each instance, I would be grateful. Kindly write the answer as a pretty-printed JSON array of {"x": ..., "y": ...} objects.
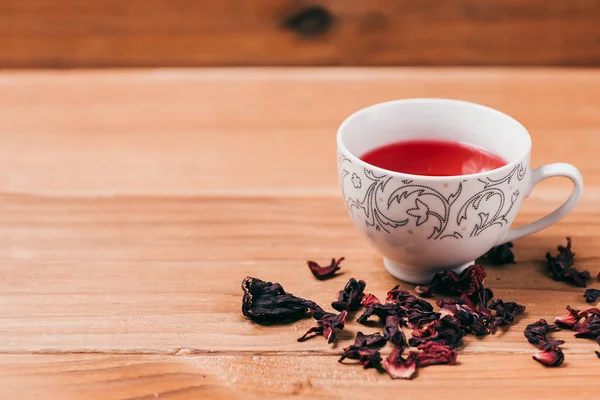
[{"x": 425, "y": 224}]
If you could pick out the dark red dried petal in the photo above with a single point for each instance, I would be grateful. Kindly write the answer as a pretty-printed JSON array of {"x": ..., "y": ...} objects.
[
  {"x": 407, "y": 300},
  {"x": 552, "y": 357},
  {"x": 501, "y": 255},
  {"x": 349, "y": 298},
  {"x": 478, "y": 321},
  {"x": 426, "y": 332},
  {"x": 506, "y": 312},
  {"x": 267, "y": 303},
  {"x": 591, "y": 295},
  {"x": 398, "y": 367},
  {"x": 589, "y": 326},
  {"x": 369, "y": 299},
  {"x": 445, "y": 331},
  {"x": 425, "y": 291},
  {"x": 322, "y": 273},
  {"x": 598, "y": 277},
  {"x": 382, "y": 311},
  {"x": 433, "y": 354},
  {"x": 373, "y": 340},
  {"x": 536, "y": 334},
  {"x": 392, "y": 331},
  {"x": 475, "y": 322},
  {"x": 588, "y": 312},
  {"x": 468, "y": 283},
  {"x": 418, "y": 318},
  {"x": 326, "y": 324},
  {"x": 368, "y": 358},
  {"x": 561, "y": 267},
  {"x": 568, "y": 319}
]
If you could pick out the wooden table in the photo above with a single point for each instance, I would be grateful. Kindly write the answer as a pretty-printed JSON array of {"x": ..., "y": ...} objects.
[{"x": 134, "y": 202}]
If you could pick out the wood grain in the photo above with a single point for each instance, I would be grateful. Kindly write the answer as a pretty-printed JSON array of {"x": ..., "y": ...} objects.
[
  {"x": 108, "y": 377},
  {"x": 167, "y": 132},
  {"x": 72, "y": 33},
  {"x": 133, "y": 203}
]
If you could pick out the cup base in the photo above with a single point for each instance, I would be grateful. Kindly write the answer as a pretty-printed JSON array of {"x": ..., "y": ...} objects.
[{"x": 415, "y": 275}]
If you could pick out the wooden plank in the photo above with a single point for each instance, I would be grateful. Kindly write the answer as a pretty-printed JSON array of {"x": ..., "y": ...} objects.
[
  {"x": 169, "y": 132},
  {"x": 107, "y": 377},
  {"x": 72, "y": 33},
  {"x": 132, "y": 205}
]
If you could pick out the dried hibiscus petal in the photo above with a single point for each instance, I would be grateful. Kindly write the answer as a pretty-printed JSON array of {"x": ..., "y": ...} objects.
[
  {"x": 326, "y": 324},
  {"x": 369, "y": 299},
  {"x": 399, "y": 367},
  {"x": 327, "y": 272},
  {"x": 362, "y": 350},
  {"x": 434, "y": 354},
  {"x": 446, "y": 330},
  {"x": 568, "y": 319},
  {"x": 591, "y": 295},
  {"x": 536, "y": 334},
  {"x": 501, "y": 255},
  {"x": 551, "y": 357},
  {"x": 561, "y": 266},
  {"x": 382, "y": 311},
  {"x": 368, "y": 358},
  {"x": 589, "y": 326},
  {"x": 506, "y": 312},
  {"x": 407, "y": 300},
  {"x": 349, "y": 298},
  {"x": 392, "y": 331},
  {"x": 373, "y": 340},
  {"x": 267, "y": 303},
  {"x": 478, "y": 321},
  {"x": 468, "y": 283},
  {"x": 475, "y": 322},
  {"x": 418, "y": 318}
]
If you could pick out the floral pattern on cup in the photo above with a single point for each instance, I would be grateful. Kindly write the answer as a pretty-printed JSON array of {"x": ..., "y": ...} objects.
[{"x": 491, "y": 201}]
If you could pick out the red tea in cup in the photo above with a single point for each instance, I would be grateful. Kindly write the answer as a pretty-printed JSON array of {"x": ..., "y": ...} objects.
[{"x": 433, "y": 158}]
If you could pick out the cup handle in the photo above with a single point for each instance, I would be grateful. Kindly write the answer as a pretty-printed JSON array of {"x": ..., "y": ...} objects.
[{"x": 538, "y": 175}]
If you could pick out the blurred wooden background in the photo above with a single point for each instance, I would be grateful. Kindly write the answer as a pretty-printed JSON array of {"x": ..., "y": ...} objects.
[{"x": 107, "y": 33}]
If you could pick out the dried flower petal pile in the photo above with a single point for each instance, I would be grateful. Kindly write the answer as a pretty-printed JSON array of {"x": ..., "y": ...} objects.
[{"x": 435, "y": 335}]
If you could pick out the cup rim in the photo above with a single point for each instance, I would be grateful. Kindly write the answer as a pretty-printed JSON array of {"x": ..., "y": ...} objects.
[{"x": 505, "y": 168}]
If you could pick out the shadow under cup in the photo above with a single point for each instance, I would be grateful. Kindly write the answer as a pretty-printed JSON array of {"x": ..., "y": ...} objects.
[{"x": 424, "y": 224}]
